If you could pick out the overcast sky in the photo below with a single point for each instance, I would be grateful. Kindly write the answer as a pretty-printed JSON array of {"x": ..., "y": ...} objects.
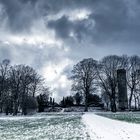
[{"x": 52, "y": 35}]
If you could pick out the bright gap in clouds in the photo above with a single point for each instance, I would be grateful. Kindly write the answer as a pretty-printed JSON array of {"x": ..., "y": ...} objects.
[
  {"x": 57, "y": 79},
  {"x": 53, "y": 71},
  {"x": 35, "y": 39},
  {"x": 43, "y": 39},
  {"x": 76, "y": 14},
  {"x": 79, "y": 14}
]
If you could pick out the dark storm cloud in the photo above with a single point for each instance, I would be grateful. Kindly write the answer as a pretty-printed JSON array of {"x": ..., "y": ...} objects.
[
  {"x": 108, "y": 24},
  {"x": 111, "y": 27},
  {"x": 116, "y": 20},
  {"x": 21, "y": 13},
  {"x": 63, "y": 27}
]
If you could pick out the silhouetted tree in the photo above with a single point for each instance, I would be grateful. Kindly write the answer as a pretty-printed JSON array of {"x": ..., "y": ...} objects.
[
  {"x": 78, "y": 98},
  {"x": 83, "y": 76},
  {"x": 107, "y": 73},
  {"x": 94, "y": 99},
  {"x": 4, "y": 68},
  {"x": 43, "y": 98},
  {"x": 62, "y": 103},
  {"x": 133, "y": 76},
  {"x": 18, "y": 87},
  {"x": 67, "y": 101},
  {"x": 53, "y": 103}
]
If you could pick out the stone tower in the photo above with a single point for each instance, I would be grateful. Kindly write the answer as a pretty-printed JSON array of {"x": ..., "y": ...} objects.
[{"x": 122, "y": 89}]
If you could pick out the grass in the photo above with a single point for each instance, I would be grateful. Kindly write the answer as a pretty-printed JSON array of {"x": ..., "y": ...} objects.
[
  {"x": 133, "y": 117},
  {"x": 43, "y": 127}
]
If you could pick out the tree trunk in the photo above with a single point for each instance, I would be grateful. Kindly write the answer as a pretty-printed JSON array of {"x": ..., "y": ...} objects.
[
  {"x": 130, "y": 99},
  {"x": 86, "y": 102},
  {"x": 113, "y": 105},
  {"x": 15, "y": 111},
  {"x": 107, "y": 105},
  {"x": 24, "y": 99},
  {"x": 24, "y": 111},
  {"x": 113, "y": 101},
  {"x": 1, "y": 108},
  {"x": 135, "y": 102},
  {"x": 138, "y": 103},
  {"x": 1, "y": 103},
  {"x": 7, "y": 111}
]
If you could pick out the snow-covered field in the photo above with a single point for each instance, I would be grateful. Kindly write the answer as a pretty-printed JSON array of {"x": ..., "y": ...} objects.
[
  {"x": 102, "y": 128},
  {"x": 66, "y": 126}
]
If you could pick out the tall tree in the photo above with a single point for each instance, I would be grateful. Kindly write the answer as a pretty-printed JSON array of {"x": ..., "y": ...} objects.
[
  {"x": 15, "y": 86},
  {"x": 133, "y": 76},
  {"x": 4, "y": 67},
  {"x": 107, "y": 73},
  {"x": 28, "y": 76},
  {"x": 83, "y": 76}
]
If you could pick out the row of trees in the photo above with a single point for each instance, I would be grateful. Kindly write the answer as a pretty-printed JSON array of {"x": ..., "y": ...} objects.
[
  {"x": 89, "y": 75},
  {"x": 18, "y": 86},
  {"x": 77, "y": 100}
]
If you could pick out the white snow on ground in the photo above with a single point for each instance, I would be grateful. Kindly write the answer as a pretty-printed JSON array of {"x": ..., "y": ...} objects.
[
  {"x": 101, "y": 128},
  {"x": 44, "y": 126}
]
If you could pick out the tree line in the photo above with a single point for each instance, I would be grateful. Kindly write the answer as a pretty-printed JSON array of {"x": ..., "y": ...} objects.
[
  {"x": 77, "y": 100},
  {"x": 90, "y": 75},
  {"x": 19, "y": 85},
  {"x": 23, "y": 89}
]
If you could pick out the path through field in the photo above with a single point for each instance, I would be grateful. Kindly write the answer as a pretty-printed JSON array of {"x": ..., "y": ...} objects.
[
  {"x": 67, "y": 126},
  {"x": 102, "y": 128}
]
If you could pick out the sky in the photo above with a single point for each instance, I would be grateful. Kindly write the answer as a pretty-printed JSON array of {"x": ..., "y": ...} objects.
[{"x": 53, "y": 35}]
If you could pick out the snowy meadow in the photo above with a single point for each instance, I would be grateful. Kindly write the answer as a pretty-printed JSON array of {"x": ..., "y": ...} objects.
[
  {"x": 66, "y": 126},
  {"x": 71, "y": 126}
]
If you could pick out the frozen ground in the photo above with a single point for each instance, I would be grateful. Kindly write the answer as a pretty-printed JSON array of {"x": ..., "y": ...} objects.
[
  {"x": 65, "y": 126},
  {"x": 70, "y": 126},
  {"x": 102, "y": 128}
]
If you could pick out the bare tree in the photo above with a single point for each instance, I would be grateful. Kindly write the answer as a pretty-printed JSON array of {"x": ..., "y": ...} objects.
[
  {"x": 133, "y": 76},
  {"x": 137, "y": 96},
  {"x": 29, "y": 77},
  {"x": 15, "y": 85},
  {"x": 4, "y": 67},
  {"x": 83, "y": 76},
  {"x": 23, "y": 84},
  {"x": 107, "y": 73}
]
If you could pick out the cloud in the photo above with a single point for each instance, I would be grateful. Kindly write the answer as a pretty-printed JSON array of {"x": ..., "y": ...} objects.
[
  {"x": 54, "y": 35},
  {"x": 106, "y": 22}
]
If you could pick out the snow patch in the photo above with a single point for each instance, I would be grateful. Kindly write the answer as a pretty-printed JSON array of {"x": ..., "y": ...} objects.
[{"x": 101, "y": 128}]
